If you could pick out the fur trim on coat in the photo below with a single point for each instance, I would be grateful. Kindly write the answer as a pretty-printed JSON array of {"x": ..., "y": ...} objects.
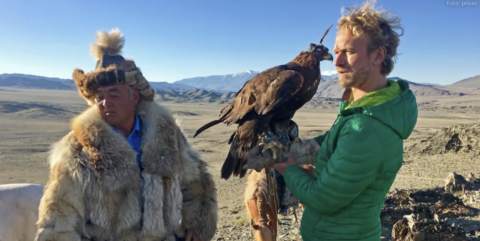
[{"x": 95, "y": 190}]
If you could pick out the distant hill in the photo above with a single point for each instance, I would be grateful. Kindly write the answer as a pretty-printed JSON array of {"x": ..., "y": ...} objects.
[
  {"x": 331, "y": 88},
  {"x": 33, "y": 77},
  {"x": 472, "y": 82},
  {"x": 41, "y": 82},
  {"x": 429, "y": 90},
  {"x": 194, "y": 96},
  {"x": 170, "y": 86},
  {"x": 431, "y": 84},
  {"x": 35, "y": 82}
]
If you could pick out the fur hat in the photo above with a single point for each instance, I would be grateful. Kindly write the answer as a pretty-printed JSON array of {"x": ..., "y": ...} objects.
[{"x": 111, "y": 68}]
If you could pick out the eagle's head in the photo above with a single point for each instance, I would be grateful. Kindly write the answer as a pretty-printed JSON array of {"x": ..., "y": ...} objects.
[{"x": 320, "y": 50}]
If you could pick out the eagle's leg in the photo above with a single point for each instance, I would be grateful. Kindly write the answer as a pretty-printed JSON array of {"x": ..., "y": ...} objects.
[
  {"x": 292, "y": 131},
  {"x": 270, "y": 143},
  {"x": 283, "y": 136},
  {"x": 274, "y": 140}
]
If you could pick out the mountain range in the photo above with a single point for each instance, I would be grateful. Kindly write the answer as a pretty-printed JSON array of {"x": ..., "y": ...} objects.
[
  {"x": 35, "y": 82},
  {"x": 229, "y": 82},
  {"x": 222, "y": 88},
  {"x": 41, "y": 82}
]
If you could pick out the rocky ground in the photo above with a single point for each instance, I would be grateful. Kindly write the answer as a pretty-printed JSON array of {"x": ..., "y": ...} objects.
[
  {"x": 288, "y": 228},
  {"x": 459, "y": 139},
  {"x": 448, "y": 213},
  {"x": 441, "y": 213}
]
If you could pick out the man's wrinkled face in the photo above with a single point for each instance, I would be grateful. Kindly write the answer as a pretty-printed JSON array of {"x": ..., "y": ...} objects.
[
  {"x": 116, "y": 103},
  {"x": 353, "y": 62}
]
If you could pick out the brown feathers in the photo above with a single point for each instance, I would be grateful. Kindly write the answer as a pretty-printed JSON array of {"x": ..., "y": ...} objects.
[
  {"x": 306, "y": 60},
  {"x": 108, "y": 43}
]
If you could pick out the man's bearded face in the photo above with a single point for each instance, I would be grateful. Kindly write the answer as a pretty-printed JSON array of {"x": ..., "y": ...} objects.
[{"x": 352, "y": 59}]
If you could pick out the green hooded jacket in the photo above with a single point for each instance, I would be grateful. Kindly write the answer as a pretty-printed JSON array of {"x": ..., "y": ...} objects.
[{"x": 356, "y": 166}]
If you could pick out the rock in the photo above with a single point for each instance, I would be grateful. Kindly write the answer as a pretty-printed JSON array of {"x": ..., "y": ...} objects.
[
  {"x": 472, "y": 179},
  {"x": 413, "y": 228},
  {"x": 457, "y": 184},
  {"x": 457, "y": 138}
]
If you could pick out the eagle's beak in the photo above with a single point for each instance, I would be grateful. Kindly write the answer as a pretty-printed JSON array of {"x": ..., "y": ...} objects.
[{"x": 328, "y": 56}]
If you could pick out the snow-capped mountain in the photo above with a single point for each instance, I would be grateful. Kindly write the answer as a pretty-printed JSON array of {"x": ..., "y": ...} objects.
[
  {"x": 222, "y": 83},
  {"x": 329, "y": 73}
]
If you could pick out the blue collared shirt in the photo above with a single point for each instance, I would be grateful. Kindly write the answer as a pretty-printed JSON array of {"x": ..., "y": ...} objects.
[{"x": 134, "y": 139}]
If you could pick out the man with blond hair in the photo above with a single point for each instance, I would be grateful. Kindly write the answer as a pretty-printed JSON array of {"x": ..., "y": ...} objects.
[{"x": 356, "y": 161}]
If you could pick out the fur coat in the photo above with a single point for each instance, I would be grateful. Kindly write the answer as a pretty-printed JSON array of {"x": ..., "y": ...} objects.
[{"x": 96, "y": 191}]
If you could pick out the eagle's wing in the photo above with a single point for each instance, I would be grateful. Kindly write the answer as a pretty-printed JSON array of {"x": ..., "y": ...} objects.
[
  {"x": 282, "y": 89},
  {"x": 263, "y": 94}
]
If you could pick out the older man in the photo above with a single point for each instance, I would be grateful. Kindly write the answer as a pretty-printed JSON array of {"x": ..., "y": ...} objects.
[
  {"x": 125, "y": 171},
  {"x": 360, "y": 155}
]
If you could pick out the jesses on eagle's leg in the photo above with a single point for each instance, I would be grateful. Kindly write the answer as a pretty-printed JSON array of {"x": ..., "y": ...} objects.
[
  {"x": 285, "y": 132},
  {"x": 283, "y": 193},
  {"x": 269, "y": 141}
]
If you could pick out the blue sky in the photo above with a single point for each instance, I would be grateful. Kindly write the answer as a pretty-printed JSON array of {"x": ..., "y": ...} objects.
[{"x": 172, "y": 40}]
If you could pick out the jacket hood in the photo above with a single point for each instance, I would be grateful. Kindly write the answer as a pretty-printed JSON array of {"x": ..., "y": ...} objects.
[{"x": 399, "y": 113}]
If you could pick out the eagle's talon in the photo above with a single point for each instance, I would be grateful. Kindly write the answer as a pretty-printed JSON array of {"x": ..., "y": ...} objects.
[{"x": 272, "y": 146}]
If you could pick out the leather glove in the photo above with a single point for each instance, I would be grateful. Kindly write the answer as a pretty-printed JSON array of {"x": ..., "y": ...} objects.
[{"x": 304, "y": 152}]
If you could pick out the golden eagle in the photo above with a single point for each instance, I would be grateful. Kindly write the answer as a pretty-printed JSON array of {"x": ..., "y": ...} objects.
[{"x": 265, "y": 105}]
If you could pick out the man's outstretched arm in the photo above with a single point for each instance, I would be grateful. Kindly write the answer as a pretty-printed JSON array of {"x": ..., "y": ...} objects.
[{"x": 349, "y": 171}]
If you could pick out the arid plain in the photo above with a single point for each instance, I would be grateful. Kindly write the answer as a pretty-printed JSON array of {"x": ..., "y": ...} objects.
[{"x": 32, "y": 119}]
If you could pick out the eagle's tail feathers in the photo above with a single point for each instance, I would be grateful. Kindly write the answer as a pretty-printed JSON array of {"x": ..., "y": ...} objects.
[
  {"x": 231, "y": 137},
  {"x": 241, "y": 143},
  {"x": 228, "y": 165},
  {"x": 206, "y": 126}
]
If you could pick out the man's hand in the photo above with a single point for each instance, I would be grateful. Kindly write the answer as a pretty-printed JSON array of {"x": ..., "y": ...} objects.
[
  {"x": 191, "y": 236},
  {"x": 308, "y": 169},
  {"x": 258, "y": 159},
  {"x": 280, "y": 167}
]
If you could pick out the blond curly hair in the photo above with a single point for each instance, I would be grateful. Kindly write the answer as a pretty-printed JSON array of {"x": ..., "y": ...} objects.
[{"x": 379, "y": 25}]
